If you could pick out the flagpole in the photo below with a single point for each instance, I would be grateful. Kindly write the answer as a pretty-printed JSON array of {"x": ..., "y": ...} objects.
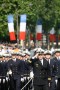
[
  {"x": 48, "y": 41},
  {"x": 17, "y": 33}
]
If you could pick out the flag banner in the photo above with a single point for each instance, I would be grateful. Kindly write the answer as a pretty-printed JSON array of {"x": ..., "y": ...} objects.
[
  {"x": 52, "y": 35},
  {"x": 11, "y": 27},
  {"x": 22, "y": 33},
  {"x": 39, "y": 30}
]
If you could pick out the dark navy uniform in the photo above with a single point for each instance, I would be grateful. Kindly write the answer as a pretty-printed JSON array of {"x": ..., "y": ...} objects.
[
  {"x": 52, "y": 64},
  {"x": 53, "y": 69},
  {"x": 27, "y": 75},
  {"x": 3, "y": 74},
  {"x": 17, "y": 70},
  {"x": 41, "y": 74},
  {"x": 1, "y": 71},
  {"x": 57, "y": 72}
]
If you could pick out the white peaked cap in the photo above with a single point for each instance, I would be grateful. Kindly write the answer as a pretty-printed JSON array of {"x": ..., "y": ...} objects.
[
  {"x": 40, "y": 50},
  {"x": 57, "y": 50},
  {"x": 1, "y": 53},
  {"x": 7, "y": 54},
  {"x": 47, "y": 52},
  {"x": 35, "y": 49}
]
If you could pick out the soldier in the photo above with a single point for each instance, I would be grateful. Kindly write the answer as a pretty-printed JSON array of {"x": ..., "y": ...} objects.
[
  {"x": 48, "y": 57},
  {"x": 3, "y": 73},
  {"x": 41, "y": 70},
  {"x": 1, "y": 68},
  {"x": 15, "y": 67},
  {"x": 57, "y": 64},
  {"x": 27, "y": 70}
]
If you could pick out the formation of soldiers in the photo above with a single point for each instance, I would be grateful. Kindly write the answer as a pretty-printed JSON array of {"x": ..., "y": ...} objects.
[{"x": 36, "y": 69}]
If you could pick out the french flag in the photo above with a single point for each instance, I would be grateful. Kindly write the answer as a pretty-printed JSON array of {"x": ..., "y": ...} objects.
[
  {"x": 22, "y": 33},
  {"x": 11, "y": 27},
  {"x": 39, "y": 30},
  {"x": 52, "y": 35}
]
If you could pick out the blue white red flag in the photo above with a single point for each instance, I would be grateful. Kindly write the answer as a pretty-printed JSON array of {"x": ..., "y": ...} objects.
[
  {"x": 52, "y": 35},
  {"x": 39, "y": 30},
  {"x": 22, "y": 33},
  {"x": 11, "y": 27}
]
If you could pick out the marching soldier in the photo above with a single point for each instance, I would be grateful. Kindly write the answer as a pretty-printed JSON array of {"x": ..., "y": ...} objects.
[
  {"x": 15, "y": 67},
  {"x": 57, "y": 64},
  {"x": 1, "y": 68},
  {"x": 27, "y": 70},
  {"x": 52, "y": 64},
  {"x": 3, "y": 73},
  {"x": 41, "y": 70}
]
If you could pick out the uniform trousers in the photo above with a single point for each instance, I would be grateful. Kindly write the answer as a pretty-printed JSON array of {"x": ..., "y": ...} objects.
[
  {"x": 58, "y": 84},
  {"x": 15, "y": 84},
  {"x": 41, "y": 87},
  {"x": 53, "y": 84}
]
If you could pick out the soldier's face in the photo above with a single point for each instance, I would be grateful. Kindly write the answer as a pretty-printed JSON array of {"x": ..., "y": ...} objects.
[
  {"x": 20, "y": 57},
  {"x": 27, "y": 56},
  {"x": 24, "y": 58},
  {"x": 57, "y": 54},
  {"x": 40, "y": 56},
  {"x": 0, "y": 58},
  {"x": 16, "y": 56},
  {"x": 13, "y": 57},
  {"x": 3, "y": 58},
  {"x": 47, "y": 56}
]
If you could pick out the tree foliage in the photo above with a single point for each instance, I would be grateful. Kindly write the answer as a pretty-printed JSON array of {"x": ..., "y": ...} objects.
[{"x": 47, "y": 10}]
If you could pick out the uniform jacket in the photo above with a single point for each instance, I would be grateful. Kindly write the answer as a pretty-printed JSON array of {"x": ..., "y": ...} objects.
[
  {"x": 16, "y": 67},
  {"x": 53, "y": 67},
  {"x": 3, "y": 68},
  {"x": 57, "y": 65},
  {"x": 41, "y": 72}
]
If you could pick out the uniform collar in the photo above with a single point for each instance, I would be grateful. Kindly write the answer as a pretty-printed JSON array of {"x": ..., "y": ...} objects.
[{"x": 14, "y": 59}]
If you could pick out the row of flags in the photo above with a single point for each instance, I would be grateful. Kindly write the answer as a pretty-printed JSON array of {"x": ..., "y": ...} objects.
[{"x": 22, "y": 30}]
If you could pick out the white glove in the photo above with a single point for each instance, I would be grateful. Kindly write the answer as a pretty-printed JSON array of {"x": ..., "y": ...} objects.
[
  {"x": 22, "y": 79},
  {"x": 56, "y": 81},
  {"x": 7, "y": 79},
  {"x": 49, "y": 84},
  {"x": 28, "y": 78},
  {"x": 3, "y": 80},
  {"x": 0, "y": 80},
  {"x": 10, "y": 72},
  {"x": 35, "y": 56},
  {"x": 31, "y": 74}
]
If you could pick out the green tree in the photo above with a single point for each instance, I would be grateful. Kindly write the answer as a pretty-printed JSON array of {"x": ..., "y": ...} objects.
[{"x": 46, "y": 10}]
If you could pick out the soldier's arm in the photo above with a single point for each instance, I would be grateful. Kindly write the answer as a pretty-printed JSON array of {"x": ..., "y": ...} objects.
[{"x": 33, "y": 59}]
